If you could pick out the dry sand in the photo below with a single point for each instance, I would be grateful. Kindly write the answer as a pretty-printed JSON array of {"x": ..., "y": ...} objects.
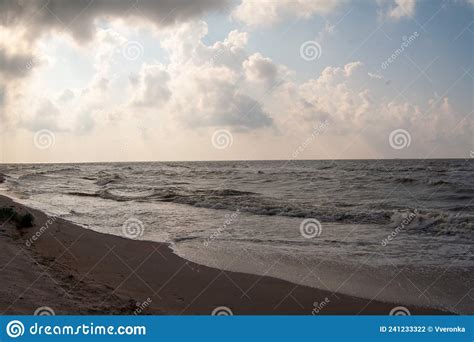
[{"x": 74, "y": 270}]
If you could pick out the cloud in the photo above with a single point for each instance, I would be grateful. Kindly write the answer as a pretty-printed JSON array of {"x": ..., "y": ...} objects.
[
  {"x": 212, "y": 98},
  {"x": 14, "y": 66},
  {"x": 78, "y": 17},
  {"x": 327, "y": 30},
  {"x": 204, "y": 85},
  {"x": 260, "y": 69},
  {"x": 194, "y": 87},
  {"x": 66, "y": 96},
  {"x": 349, "y": 68},
  {"x": 46, "y": 116},
  {"x": 2, "y": 97},
  {"x": 401, "y": 9},
  {"x": 268, "y": 12},
  {"x": 185, "y": 46},
  {"x": 85, "y": 121},
  {"x": 375, "y": 76},
  {"x": 152, "y": 86},
  {"x": 331, "y": 97}
]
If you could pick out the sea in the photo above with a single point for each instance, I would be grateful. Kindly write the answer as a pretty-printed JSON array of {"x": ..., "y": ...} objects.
[{"x": 392, "y": 230}]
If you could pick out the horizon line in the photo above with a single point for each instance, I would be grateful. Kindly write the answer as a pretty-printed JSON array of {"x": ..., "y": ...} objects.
[{"x": 222, "y": 160}]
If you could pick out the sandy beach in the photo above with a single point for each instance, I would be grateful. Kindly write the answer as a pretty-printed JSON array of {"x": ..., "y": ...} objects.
[{"x": 74, "y": 270}]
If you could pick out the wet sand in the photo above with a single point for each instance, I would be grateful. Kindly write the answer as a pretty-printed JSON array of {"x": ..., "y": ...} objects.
[{"x": 74, "y": 270}]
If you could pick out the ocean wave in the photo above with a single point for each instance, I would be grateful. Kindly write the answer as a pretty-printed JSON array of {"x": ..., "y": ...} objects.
[
  {"x": 350, "y": 192},
  {"x": 436, "y": 223},
  {"x": 83, "y": 194},
  {"x": 404, "y": 180},
  {"x": 38, "y": 174},
  {"x": 425, "y": 221},
  {"x": 255, "y": 203},
  {"x": 439, "y": 182},
  {"x": 105, "y": 178}
]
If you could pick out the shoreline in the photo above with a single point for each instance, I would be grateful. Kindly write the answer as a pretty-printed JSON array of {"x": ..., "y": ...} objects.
[{"x": 75, "y": 270}]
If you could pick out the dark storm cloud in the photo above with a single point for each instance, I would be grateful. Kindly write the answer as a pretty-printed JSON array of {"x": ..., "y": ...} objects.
[
  {"x": 78, "y": 16},
  {"x": 15, "y": 65}
]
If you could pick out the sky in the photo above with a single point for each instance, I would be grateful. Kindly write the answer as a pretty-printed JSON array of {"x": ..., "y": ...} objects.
[{"x": 91, "y": 81}]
